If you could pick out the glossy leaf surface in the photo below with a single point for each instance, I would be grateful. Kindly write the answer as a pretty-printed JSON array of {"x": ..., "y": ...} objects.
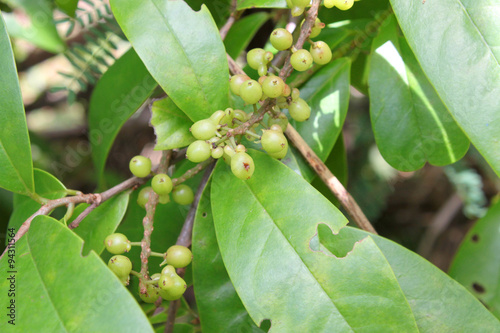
[
  {"x": 189, "y": 64},
  {"x": 242, "y": 32},
  {"x": 409, "y": 120}
]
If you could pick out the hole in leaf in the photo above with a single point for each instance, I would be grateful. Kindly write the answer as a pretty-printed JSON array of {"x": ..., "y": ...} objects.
[
  {"x": 339, "y": 245},
  {"x": 204, "y": 214},
  {"x": 475, "y": 238},
  {"x": 265, "y": 325},
  {"x": 478, "y": 288}
]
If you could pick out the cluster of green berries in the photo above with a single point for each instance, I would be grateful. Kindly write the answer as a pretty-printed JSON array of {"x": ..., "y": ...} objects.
[
  {"x": 167, "y": 284},
  {"x": 161, "y": 184},
  {"x": 298, "y": 6}
]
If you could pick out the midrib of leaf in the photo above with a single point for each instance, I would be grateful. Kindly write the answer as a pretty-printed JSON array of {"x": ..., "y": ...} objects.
[
  {"x": 13, "y": 167},
  {"x": 43, "y": 284},
  {"x": 184, "y": 52},
  {"x": 308, "y": 269}
]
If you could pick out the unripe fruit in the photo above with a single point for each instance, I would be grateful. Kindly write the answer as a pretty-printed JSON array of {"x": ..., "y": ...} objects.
[
  {"x": 217, "y": 116},
  {"x": 151, "y": 294},
  {"x": 236, "y": 81},
  {"x": 286, "y": 90},
  {"x": 198, "y": 151},
  {"x": 163, "y": 198},
  {"x": 297, "y": 11},
  {"x": 344, "y": 4},
  {"x": 276, "y": 127},
  {"x": 281, "y": 154},
  {"x": 178, "y": 256},
  {"x": 140, "y": 166},
  {"x": 281, "y": 121},
  {"x": 301, "y": 3},
  {"x": 166, "y": 281},
  {"x": 168, "y": 270},
  {"x": 273, "y": 141},
  {"x": 162, "y": 184},
  {"x": 155, "y": 276},
  {"x": 120, "y": 265},
  {"x": 183, "y": 194},
  {"x": 217, "y": 152},
  {"x": 281, "y": 39},
  {"x": 240, "y": 115},
  {"x": 273, "y": 86},
  {"x": 251, "y": 91},
  {"x": 262, "y": 70},
  {"x": 295, "y": 94},
  {"x": 329, "y": 3},
  {"x": 299, "y": 110},
  {"x": 301, "y": 60},
  {"x": 228, "y": 117},
  {"x": 203, "y": 129},
  {"x": 175, "y": 291},
  {"x": 143, "y": 196},
  {"x": 255, "y": 58},
  {"x": 321, "y": 53},
  {"x": 316, "y": 28},
  {"x": 117, "y": 243},
  {"x": 242, "y": 165}
]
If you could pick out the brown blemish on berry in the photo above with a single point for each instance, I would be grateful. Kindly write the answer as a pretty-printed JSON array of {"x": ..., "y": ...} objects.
[{"x": 246, "y": 166}]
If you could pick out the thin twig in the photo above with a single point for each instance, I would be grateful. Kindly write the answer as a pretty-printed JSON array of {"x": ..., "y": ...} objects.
[
  {"x": 76, "y": 222},
  {"x": 235, "y": 15}
]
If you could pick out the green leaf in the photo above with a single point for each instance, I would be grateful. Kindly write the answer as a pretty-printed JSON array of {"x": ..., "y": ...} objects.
[
  {"x": 327, "y": 93},
  {"x": 439, "y": 303},
  {"x": 118, "y": 94},
  {"x": 216, "y": 298},
  {"x": 190, "y": 61},
  {"x": 101, "y": 222},
  {"x": 267, "y": 239},
  {"x": 242, "y": 4},
  {"x": 51, "y": 297},
  {"x": 171, "y": 125},
  {"x": 242, "y": 32},
  {"x": 457, "y": 44},
  {"x": 476, "y": 265},
  {"x": 47, "y": 186},
  {"x": 41, "y": 29},
  {"x": 68, "y": 6},
  {"x": 16, "y": 166},
  {"x": 410, "y": 123},
  {"x": 219, "y": 9}
]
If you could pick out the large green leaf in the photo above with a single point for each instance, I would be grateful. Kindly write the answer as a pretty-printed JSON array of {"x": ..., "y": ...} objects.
[
  {"x": 476, "y": 264},
  {"x": 47, "y": 186},
  {"x": 40, "y": 29},
  {"x": 266, "y": 230},
  {"x": 242, "y": 4},
  {"x": 67, "y": 6},
  {"x": 58, "y": 290},
  {"x": 439, "y": 303},
  {"x": 242, "y": 32},
  {"x": 119, "y": 93},
  {"x": 16, "y": 166},
  {"x": 216, "y": 298},
  {"x": 410, "y": 123},
  {"x": 182, "y": 49},
  {"x": 171, "y": 125},
  {"x": 101, "y": 222},
  {"x": 458, "y": 46}
]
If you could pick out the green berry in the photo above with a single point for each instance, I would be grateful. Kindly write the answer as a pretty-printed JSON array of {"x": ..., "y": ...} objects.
[
  {"x": 168, "y": 270},
  {"x": 299, "y": 110},
  {"x": 143, "y": 196},
  {"x": 151, "y": 294},
  {"x": 183, "y": 194},
  {"x": 155, "y": 276},
  {"x": 236, "y": 81},
  {"x": 321, "y": 53},
  {"x": 163, "y": 198},
  {"x": 286, "y": 90},
  {"x": 281, "y": 102},
  {"x": 255, "y": 58},
  {"x": 217, "y": 116},
  {"x": 316, "y": 29},
  {"x": 166, "y": 281},
  {"x": 117, "y": 243},
  {"x": 301, "y": 3},
  {"x": 281, "y": 120},
  {"x": 281, "y": 39},
  {"x": 229, "y": 151},
  {"x": 140, "y": 166},
  {"x": 273, "y": 86},
  {"x": 217, "y": 152},
  {"x": 198, "y": 151},
  {"x": 175, "y": 291},
  {"x": 162, "y": 184},
  {"x": 344, "y": 4},
  {"x": 120, "y": 265},
  {"x": 301, "y": 60},
  {"x": 178, "y": 256},
  {"x": 251, "y": 91},
  {"x": 273, "y": 141},
  {"x": 329, "y": 3},
  {"x": 295, "y": 94},
  {"x": 240, "y": 115},
  {"x": 203, "y": 129},
  {"x": 297, "y": 11},
  {"x": 242, "y": 165},
  {"x": 280, "y": 155},
  {"x": 262, "y": 70}
]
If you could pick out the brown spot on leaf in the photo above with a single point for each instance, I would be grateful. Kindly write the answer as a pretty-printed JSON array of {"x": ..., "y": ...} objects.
[{"x": 475, "y": 238}]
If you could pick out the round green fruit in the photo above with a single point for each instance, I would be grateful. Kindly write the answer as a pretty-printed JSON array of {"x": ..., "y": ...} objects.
[
  {"x": 344, "y": 4},
  {"x": 204, "y": 129},
  {"x": 255, "y": 58},
  {"x": 301, "y": 60},
  {"x": 273, "y": 141},
  {"x": 217, "y": 152},
  {"x": 140, "y": 166},
  {"x": 321, "y": 53},
  {"x": 281, "y": 39},
  {"x": 198, "y": 151},
  {"x": 120, "y": 265},
  {"x": 151, "y": 294},
  {"x": 301, "y": 3},
  {"x": 280, "y": 155},
  {"x": 178, "y": 256},
  {"x": 143, "y": 196},
  {"x": 162, "y": 184},
  {"x": 251, "y": 91},
  {"x": 183, "y": 194},
  {"x": 117, "y": 243},
  {"x": 273, "y": 86},
  {"x": 242, "y": 165},
  {"x": 299, "y": 110},
  {"x": 168, "y": 270},
  {"x": 281, "y": 120},
  {"x": 175, "y": 291},
  {"x": 236, "y": 81}
]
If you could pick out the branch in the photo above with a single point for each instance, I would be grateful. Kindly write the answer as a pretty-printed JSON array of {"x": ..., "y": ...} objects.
[{"x": 235, "y": 15}]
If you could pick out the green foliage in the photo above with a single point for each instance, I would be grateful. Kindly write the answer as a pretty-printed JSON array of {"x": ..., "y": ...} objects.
[
  {"x": 242, "y": 32},
  {"x": 67, "y": 6}
]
